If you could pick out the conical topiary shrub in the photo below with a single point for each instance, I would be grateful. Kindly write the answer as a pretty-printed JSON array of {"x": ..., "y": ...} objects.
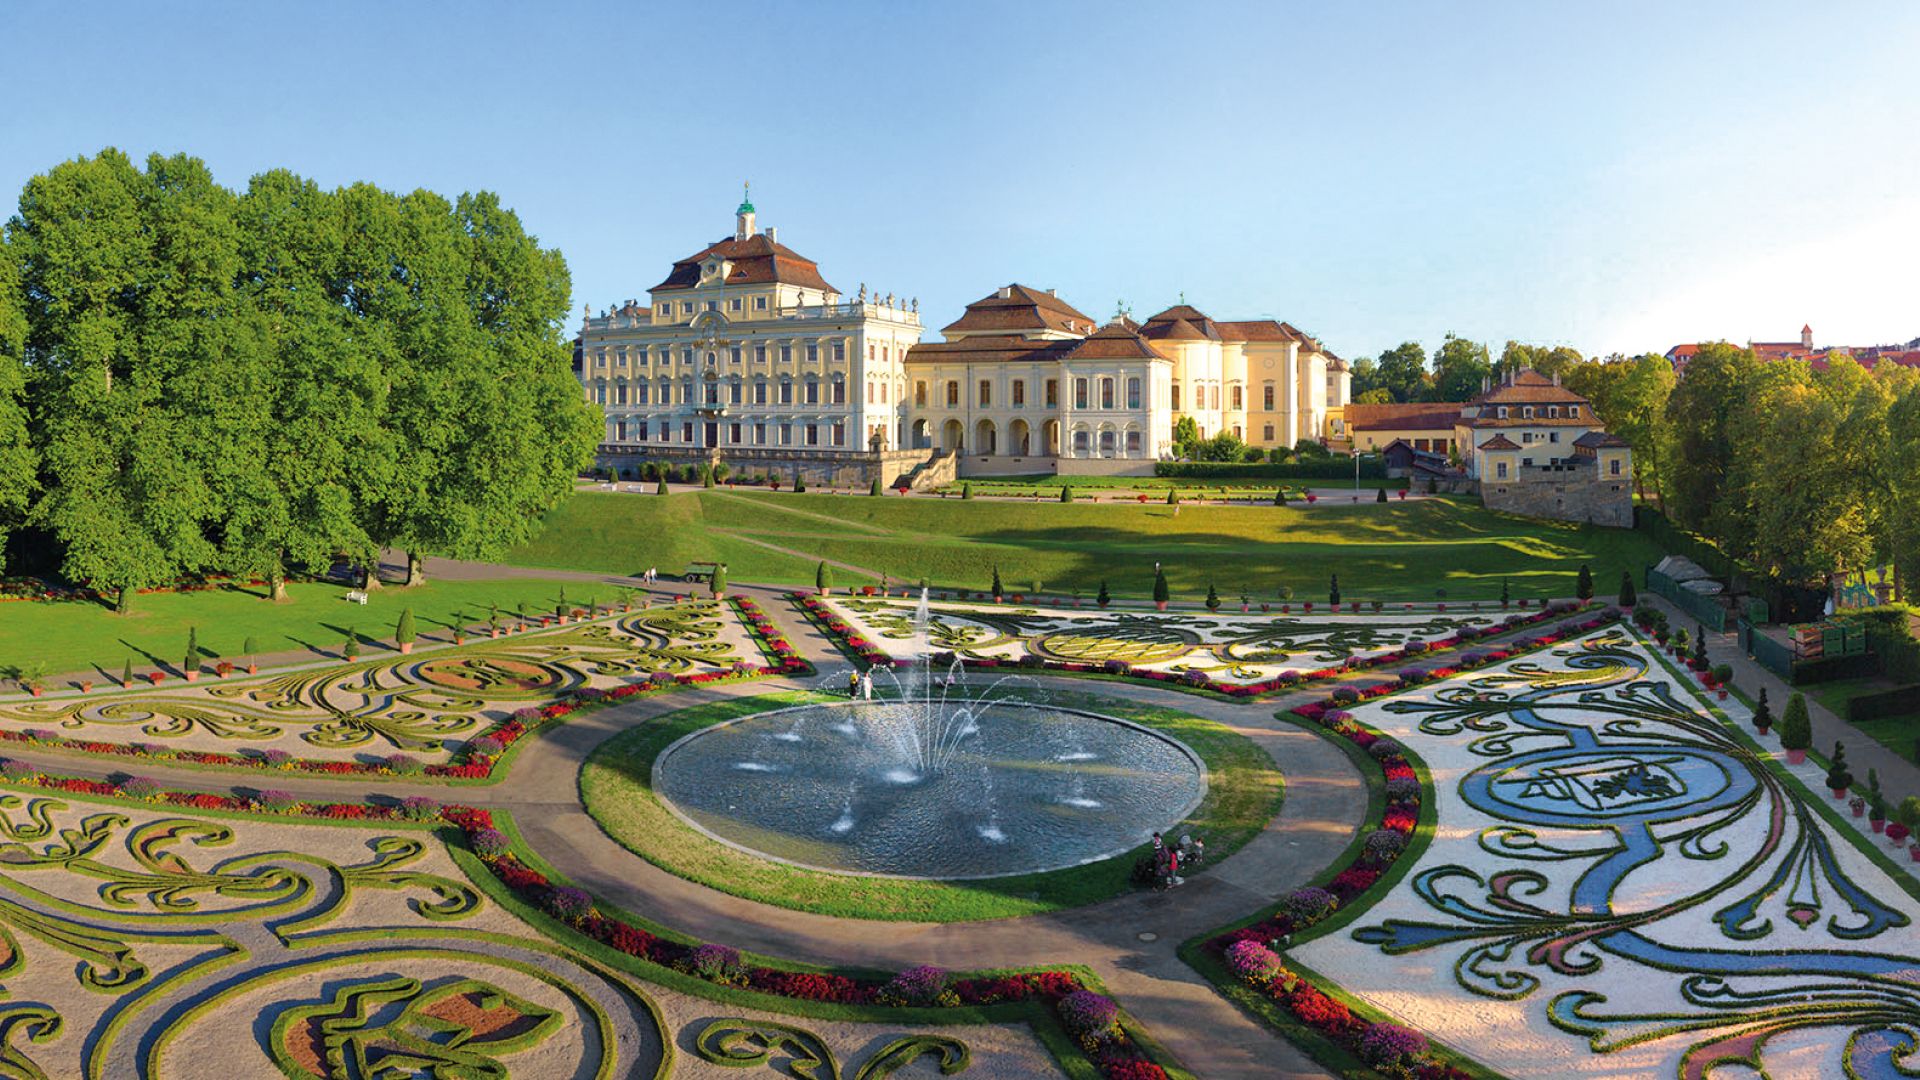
[{"x": 1796, "y": 729}]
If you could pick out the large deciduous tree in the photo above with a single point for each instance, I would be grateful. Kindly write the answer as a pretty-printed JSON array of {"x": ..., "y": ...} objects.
[
  {"x": 18, "y": 471},
  {"x": 1461, "y": 369},
  {"x": 1402, "y": 371}
]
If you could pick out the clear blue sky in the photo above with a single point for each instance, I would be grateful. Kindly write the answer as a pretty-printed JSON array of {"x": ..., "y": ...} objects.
[{"x": 1612, "y": 176}]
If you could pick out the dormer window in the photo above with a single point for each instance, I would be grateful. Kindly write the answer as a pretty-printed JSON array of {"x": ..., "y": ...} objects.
[
  {"x": 1526, "y": 412},
  {"x": 1553, "y": 412},
  {"x": 1503, "y": 412},
  {"x": 1573, "y": 411}
]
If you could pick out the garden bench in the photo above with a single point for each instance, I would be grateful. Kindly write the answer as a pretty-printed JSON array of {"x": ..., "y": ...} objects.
[{"x": 357, "y": 597}]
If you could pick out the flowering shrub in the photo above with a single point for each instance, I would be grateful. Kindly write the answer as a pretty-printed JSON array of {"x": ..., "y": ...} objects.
[
  {"x": 1318, "y": 1010},
  {"x": 139, "y": 787},
  {"x": 1254, "y": 962},
  {"x": 1384, "y": 750},
  {"x": 1402, "y": 788},
  {"x": 1390, "y": 1044},
  {"x": 1345, "y": 695},
  {"x": 277, "y": 801},
  {"x": 922, "y": 985},
  {"x": 11, "y": 769},
  {"x": 484, "y": 746},
  {"x": 419, "y": 808},
  {"x": 488, "y": 843},
  {"x": 716, "y": 963},
  {"x": 569, "y": 904},
  {"x": 1087, "y": 1015},
  {"x": 402, "y": 764},
  {"x": 1415, "y": 648},
  {"x": 1308, "y": 906},
  {"x": 1381, "y": 846}
]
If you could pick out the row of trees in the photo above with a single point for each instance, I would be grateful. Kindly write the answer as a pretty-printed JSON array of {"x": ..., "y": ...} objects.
[
  {"x": 1458, "y": 370},
  {"x": 1802, "y": 474},
  {"x": 196, "y": 380}
]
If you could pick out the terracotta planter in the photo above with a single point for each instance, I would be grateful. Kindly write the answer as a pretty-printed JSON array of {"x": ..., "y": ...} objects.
[
  {"x": 1914, "y": 852},
  {"x": 1763, "y": 731},
  {"x": 192, "y": 676},
  {"x": 406, "y": 647},
  {"x": 495, "y": 632},
  {"x": 1841, "y": 793},
  {"x": 1795, "y": 757},
  {"x": 1879, "y": 825},
  {"x": 1159, "y": 605},
  {"x": 34, "y": 690},
  {"x": 253, "y": 669},
  {"x": 86, "y": 687},
  {"x": 459, "y": 639},
  {"x": 1859, "y": 811}
]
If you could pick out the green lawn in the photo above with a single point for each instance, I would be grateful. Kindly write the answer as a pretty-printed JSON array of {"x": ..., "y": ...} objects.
[
  {"x": 616, "y": 784},
  {"x": 1897, "y": 733},
  {"x": 70, "y": 637},
  {"x": 998, "y": 485},
  {"x": 1393, "y": 552}
]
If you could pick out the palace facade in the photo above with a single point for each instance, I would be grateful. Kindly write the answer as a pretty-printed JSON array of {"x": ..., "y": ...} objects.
[{"x": 745, "y": 353}]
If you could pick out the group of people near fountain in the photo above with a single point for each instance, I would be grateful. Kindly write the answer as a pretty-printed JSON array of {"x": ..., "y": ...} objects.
[
  {"x": 860, "y": 685},
  {"x": 1170, "y": 859}
]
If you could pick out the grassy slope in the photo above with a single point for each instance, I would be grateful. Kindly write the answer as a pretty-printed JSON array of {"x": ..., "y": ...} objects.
[
  {"x": 1394, "y": 551},
  {"x": 1896, "y": 733},
  {"x": 73, "y": 636}
]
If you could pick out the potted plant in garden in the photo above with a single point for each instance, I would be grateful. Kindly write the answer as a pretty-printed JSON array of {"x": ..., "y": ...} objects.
[
  {"x": 1160, "y": 592},
  {"x": 1440, "y": 595},
  {"x": 999, "y": 593},
  {"x": 190, "y": 667},
  {"x": 1838, "y": 778},
  {"x": 1506, "y": 593},
  {"x": 1286, "y": 594},
  {"x": 1909, "y": 819},
  {"x": 32, "y": 677},
  {"x": 1722, "y": 679},
  {"x": 1246, "y": 603},
  {"x": 823, "y": 578},
  {"x": 1103, "y": 598},
  {"x": 251, "y": 648},
  {"x": 1762, "y": 714},
  {"x": 493, "y": 620},
  {"x": 352, "y": 648},
  {"x": 403, "y": 632},
  {"x": 1796, "y": 729},
  {"x": 1213, "y": 598},
  {"x": 221, "y": 668},
  {"x": 1858, "y": 804},
  {"x": 1876, "y": 802},
  {"x": 126, "y": 675},
  {"x": 1333, "y": 590}
]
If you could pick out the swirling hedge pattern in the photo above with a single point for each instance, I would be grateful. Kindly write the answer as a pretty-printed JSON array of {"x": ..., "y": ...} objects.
[
  {"x": 1227, "y": 647},
  {"x": 421, "y": 704},
  {"x": 1657, "y": 882}
]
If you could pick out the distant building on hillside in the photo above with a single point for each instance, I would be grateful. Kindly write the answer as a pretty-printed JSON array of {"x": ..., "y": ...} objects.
[{"x": 1867, "y": 356}]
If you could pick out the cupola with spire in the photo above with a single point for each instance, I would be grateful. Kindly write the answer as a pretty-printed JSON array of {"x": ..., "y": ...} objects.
[{"x": 743, "y": 217}]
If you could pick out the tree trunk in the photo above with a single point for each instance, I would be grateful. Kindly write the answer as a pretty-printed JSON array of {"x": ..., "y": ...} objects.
[
  {"x": 370, "y": 575},
  {"x": 416, "y": 569},
  {"x": 277, "y": 582},
  {"x": 120, "y": 599}
]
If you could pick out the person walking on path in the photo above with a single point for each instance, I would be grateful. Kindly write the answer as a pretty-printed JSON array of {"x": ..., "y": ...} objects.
[
  {"x": 853, "y": 684},
  {"x": 866, "y": 684}
]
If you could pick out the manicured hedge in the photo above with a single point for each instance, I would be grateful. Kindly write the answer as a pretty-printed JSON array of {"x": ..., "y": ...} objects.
[
  {"x": 1887, "y": 703},
  {"x": 1331, "y": 469},
  {"x": 1807, "y": 672}
]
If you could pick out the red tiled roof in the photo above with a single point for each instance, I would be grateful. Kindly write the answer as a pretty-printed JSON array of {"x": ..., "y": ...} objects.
[
  {"x": 1181, "y": 322},
  {"x": 1021, "y": 308},
  {"x": 1416, "y": 416},
  {"x": 1258, "y": 330},
  {"x": 992, "y": 349},
  {"x": 1499, "y": 442},
  {"x": 1529, "y": 387},
  {"x": 1114, "y": 341},
  {"x": 755, "y": 260}
]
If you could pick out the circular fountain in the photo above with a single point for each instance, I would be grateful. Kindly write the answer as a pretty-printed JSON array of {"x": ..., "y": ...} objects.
[
  {"x": 873, "y": 788},
  {"x": 943, "y": 778}
]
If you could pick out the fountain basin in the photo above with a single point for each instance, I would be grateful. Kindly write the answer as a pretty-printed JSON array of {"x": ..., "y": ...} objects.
[{"x": 831, "y": 787}]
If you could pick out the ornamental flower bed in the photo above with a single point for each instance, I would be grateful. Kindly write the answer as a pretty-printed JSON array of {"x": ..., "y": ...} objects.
[
  {"x": 857, "y": 645},
  {"x": 1117, "y": 1056},
  {"x": 15, "y": 771},
  {"x": 1249, "y": 954}
]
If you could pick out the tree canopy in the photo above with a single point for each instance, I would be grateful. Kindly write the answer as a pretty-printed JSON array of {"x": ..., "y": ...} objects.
[{"x": 194, "y": 380}]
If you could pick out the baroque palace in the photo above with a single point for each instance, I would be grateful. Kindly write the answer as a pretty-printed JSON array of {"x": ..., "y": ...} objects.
[{"x": 745, "y": 354}]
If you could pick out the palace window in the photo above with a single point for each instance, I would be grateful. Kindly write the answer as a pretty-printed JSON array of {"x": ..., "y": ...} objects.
[
  {"x": 1106, "y": 393},
  {"x": 786, "y": 354},
  {"x": 1133, "y": 392},
  {"x": 813, "y": 434},
  {"x": 1614, "y": 466},
  {"x": 600, "y": 393},
  {"x": 1133, "y": 444},
  {"x": 786, "y": 392},
  {"x": 1500, "y": 471},
  {"x": 666, "y": 310},
  {"x": 986, "y": 393},
  {"x": 1079, "y": 393},
  {"x": 760, "y": 434},
  {"x": 733, "y": 355},
  {"x": 641, "y": 436},
  {"x": 734, "y": 304},
  {"x": 713, "y": 393},
  {"x": 1266, "y": 401},
  {"x": 1081, "y": 442},
  {"x": 813, "y": 354},
  {"x": 869, "y": 391},
  {"x": 686, "y": 432},
  {"x": 759, "y": 303},
  {"x": 1236, "y": 432},
  {"x": 1106, "y": 444},
  {"x": 620, "y": 357},
  {"x": 1053, "y": 393},
  {"x": 883, "y": 392},
  {"x": 620, "y": 431},
  {"x": 759, "y": 354},
  {"x": 640, "y": 393},
  {"x": 1019, "y": 393},
  {"x": 811, "y": 393},
  {"x": 1266, "y": 433},
  {"x": 733, "y": 394},
  {"x": 1236, "y": 399},
  {"x": 871, "y": 348},
  {"x": 953, "y": 394},
  {"x": 733, "y": 434},
  {"x": 686, "y": 356},
  {"x": 686, "y": 307},
  {"x": 600, "y": 358},
  {"x": 1175, "y": 395},
  {"x": 839, "y": 433},
  {"x": 713, "y": 305},
  {"x": 839, "y": 352},
  {"x": 759, "y": 392},
  {"x": 920, "y": 395},
  {"x": 839, "y": 392}
]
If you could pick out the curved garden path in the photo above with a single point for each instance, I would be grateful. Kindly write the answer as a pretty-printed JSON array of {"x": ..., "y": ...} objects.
[{"x": 1130, "y": 940}]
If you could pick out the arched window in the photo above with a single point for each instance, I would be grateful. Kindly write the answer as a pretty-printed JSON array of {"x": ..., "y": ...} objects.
[
  {"x": 1106, "y": 443},
  {"x": 1133, "y": 444}
]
